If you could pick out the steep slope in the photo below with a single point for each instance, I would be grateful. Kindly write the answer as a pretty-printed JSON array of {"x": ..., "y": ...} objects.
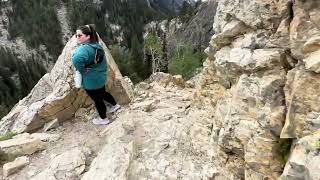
[
  {"x": 158, "y": 135},
  {"x": 55, "y": 96},
  {"x": 266, "y": 54},
  {"x": 33, "y": 34},
  {"x": 252, "y": 113},
  {"x": 167, "y": 7},
  {"x": 198, "y": 30}
]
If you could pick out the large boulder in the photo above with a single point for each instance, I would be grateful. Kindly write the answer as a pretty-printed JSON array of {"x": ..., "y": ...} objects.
[
  {"x": 303, "y": 163},
  {"x": 250, "y": 119},
  {"x": 55, "y": 95},
  {"x": 235, "y": 18},
  {"x": 67, "y": 165},
  {"x": 302, "y": 101},
  {"x": 304, "y": 25},
  {"x": 170, "y": 140},
  {"x": 231, "y": 63},
  {"x": 23, "y": 144}
]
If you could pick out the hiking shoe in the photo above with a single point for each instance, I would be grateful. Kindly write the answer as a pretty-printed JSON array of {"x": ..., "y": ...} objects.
[
  {"x": 99, "y": 121},
  {"x": 114, "y": 108}
]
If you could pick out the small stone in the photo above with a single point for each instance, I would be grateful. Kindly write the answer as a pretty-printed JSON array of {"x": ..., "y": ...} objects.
[
  {"x": 50, "y": 125},
  {"x": 17, "y": 164}
]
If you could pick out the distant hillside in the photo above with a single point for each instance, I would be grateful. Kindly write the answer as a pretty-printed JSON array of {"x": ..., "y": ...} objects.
[{"x": 37, "y": 30}]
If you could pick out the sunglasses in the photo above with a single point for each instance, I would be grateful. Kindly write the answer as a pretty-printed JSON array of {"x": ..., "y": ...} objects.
[{"x": 79, "y": 35}]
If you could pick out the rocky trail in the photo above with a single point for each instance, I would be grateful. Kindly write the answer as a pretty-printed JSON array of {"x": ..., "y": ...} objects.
[{"x": 160, "y": 127}]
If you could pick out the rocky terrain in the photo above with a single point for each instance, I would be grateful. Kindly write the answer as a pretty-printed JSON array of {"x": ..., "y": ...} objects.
[{"x": 252, "y": 113}]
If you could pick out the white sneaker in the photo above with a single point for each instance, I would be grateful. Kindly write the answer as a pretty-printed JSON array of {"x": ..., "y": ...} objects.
[
  {"x": 99, "y": 121},
  {"x": 114, "y": 108}
]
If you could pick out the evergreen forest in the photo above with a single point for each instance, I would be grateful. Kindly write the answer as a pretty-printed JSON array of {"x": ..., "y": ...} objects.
[{"x": 36, "y": 21}]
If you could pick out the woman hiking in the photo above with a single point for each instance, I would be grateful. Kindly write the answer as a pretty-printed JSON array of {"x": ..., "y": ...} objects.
[{"x": 90, "y": 60}]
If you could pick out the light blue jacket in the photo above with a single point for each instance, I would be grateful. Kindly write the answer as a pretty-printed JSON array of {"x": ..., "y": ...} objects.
[{"x": 94, "y": 76}]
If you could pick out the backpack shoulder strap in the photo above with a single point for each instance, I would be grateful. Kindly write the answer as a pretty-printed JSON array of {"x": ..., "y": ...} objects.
[{"x": 98, "y": 57}]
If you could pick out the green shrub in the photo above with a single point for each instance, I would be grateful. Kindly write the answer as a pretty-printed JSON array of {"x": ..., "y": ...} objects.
[
  {"x": 7, "y": 136},
  {"x": 185, "y": 61},
  {"x": 122, "y": 57},
  {"x": 282, "y": 150},
  {"x": 37, "y": 23},
  {"x": 17, "y": 78},
  {"x": 127, "y": 62},
  {"x": 318, "y": 144}
]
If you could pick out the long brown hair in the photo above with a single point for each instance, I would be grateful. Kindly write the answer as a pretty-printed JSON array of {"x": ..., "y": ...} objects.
[{"x": 89, "y": 29}]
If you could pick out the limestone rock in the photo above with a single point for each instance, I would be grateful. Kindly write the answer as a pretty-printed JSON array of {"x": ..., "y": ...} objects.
[
  {"x": 55, "y": 97},
  {"x": 304, "y": 160},
  {"x": 304, "y": 25},
  {"x": 50, "y": 125},
  {"x": 250, "y": 118},
  {"x": 12, "y": 167},
  {"x": 45, "y": 137},
  {"x": 142, "y": 86},
  {"x": 23, "y": 145},
  {"x": 161, "y": 144},
  {"x": 229, "y": 32},
  {"x": 231, "y": 63},
  {"x": 257, "y": 14},
  {"x": 313, "y": 44},
  {"x": 251, "y": 40},
  {"x": 165, "y": 79},
  {"x": 312, "y": 62},
  {"x": 68, "y": 165},
  {"x": 302, "y": 101},
  {"x": 210, "y": 88}
]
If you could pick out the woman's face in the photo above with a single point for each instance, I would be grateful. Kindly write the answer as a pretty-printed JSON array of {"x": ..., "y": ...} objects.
[{"x": 82, "y": 38}]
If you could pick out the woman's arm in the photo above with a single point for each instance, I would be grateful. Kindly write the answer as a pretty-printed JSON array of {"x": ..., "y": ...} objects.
[{"x": 80, "y": 58}]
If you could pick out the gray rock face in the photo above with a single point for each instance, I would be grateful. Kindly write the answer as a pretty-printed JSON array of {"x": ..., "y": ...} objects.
[
  {"x": 199, "y": 29},
  {"x": 250, "y": 118},
  {"x": 19, "y": 146},
  {"x": 258, "y": 14},
  {"x": 302, "y": 107},
  {"x": 12, "y": 167},
  {"x": 68, "y": 165},
  {"x": 304, "y": 25},
  {"x": 250, "y": 55},
  {"x": 170, "y": 141},
  {"x": 259, "y": 84},
  {"x": 55, "y": 97},
  {"x": 304, "y": 160}
]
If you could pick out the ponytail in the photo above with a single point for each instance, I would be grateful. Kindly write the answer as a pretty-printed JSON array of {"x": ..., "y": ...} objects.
[{"x": 90, "y": 29}]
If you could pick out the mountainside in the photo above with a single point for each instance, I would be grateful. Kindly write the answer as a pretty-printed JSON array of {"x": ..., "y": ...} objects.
[
  {"x": 177, "y": 45},
  {"x": 168, "y": 7},
  {"x": 33, "y": 34},
  {"x": 251, "y": 113}
]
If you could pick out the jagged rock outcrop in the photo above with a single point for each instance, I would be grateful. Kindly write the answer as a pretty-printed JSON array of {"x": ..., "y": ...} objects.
[
  {"x": 195, "y": 31},
  {"x": 304, "y": 25},
  {"x": 302, "y": 120},
  {"x": 302, "y": 99},
  {"x": 12, "y": 167},
  {"x": 159, "y": 136},
  {"x": 55, "y": 96},
  {"x": 304, "y": 159},
  {"x": 67, "y": 165},
  {"x": 23, "y": 144},
  {"x": 198, "y": 29},
  {"x": 259, "y": 87},
  {"x": 266, "y": 54}
]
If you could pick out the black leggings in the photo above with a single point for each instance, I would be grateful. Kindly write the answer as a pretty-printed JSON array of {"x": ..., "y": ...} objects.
[{"x": 98, "y": 95}]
